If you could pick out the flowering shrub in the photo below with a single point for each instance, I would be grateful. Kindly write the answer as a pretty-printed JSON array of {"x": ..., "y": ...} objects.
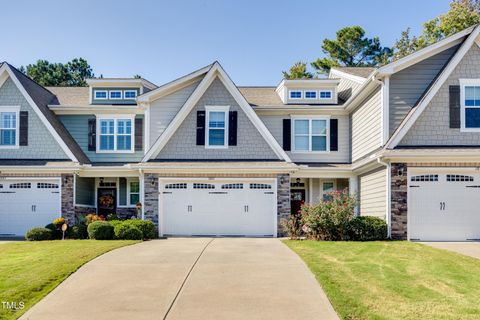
[
  {"x": 292, "y": 226},
  {"x": 59, "y": 222},
  {"x": 92, "y": 217},
  {"x": 329, "y": 219}
]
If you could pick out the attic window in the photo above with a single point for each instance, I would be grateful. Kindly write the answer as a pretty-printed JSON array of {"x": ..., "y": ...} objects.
[
  {"x": 130, "y": 94},
  {"x": 115, "y": 94},
  {"x": 325, "y": 94},
  {"x": 295, "y": 94},
  {"x": 100, "y": 94},
  {"x": 310, "y": 94}
]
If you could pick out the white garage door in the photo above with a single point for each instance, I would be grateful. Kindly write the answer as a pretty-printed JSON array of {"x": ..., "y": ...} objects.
[
  {"x": 26, "y": 203},
  {"x": 218, "y": 207},
  {"x": 444, "y": 205}
]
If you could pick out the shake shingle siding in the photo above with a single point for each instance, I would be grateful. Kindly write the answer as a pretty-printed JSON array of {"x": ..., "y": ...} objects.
[
  {"x": 433, "y": 125},
  {"x": 250, "y": 143},
  {"x": 41, "y": 144},
  {"x": 408, "y": 85}
]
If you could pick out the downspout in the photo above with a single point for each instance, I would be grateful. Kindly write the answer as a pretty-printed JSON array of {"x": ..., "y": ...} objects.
[{"x": 388, "y": 213}]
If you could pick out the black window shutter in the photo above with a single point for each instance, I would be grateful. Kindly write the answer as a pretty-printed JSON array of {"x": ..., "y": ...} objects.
[
  {"x": 138, "y": 134},
  {"x": 92, "y": 134},
  {"x": 232, "y": 128},
  {"x": 333, "y": 134},
  {"x": 23, "y": 139},
  {"x": 287, "y": 126},
  {"x": 200, "y": 128},
  {"x": 454, "y": 103}
]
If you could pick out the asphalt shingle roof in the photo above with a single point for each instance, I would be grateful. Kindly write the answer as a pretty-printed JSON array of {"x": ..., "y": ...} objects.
[{"x": 363, "y": 72}]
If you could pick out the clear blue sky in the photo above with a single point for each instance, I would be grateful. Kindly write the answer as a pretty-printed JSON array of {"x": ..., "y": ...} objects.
[{"x": 162, "y": 40}]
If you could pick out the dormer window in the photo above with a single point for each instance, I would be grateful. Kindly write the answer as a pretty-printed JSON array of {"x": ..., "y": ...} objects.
[
  {"x": 325, "y": 94},
  {"x": 310, "y": 94},
  {"x": 101, "y": 94},
  {"x": 130, "y": 94},
  {"x": 115, "y": 94},
  {"x": 295, "y": 94}
]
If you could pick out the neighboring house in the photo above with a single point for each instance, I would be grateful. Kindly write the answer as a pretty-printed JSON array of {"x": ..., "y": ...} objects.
[{"x": 205, "y": 157}]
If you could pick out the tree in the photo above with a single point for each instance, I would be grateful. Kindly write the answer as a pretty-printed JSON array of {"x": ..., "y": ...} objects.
[
  {"x": 352, "y": 48},
  {"x": 73, "y": 73},
  {"x": 462, "y": 14},
  {"x": 298, "y": 71}
]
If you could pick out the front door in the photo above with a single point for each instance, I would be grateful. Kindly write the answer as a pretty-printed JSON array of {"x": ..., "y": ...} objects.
[
  {"x": 297, "y": 198},
  {"x": 106, "y": 201}
]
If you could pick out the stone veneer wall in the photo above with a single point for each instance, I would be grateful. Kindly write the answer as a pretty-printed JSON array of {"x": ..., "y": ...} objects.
[
  {"x": 399, "y": 193},
  {"x": 68, "y": 205},
  {"x": 150, "y": 205},
  {"x": 283, "y": 200}
]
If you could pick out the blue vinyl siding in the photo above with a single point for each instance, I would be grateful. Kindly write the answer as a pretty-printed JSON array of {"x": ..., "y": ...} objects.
[{"x": 77, "y": 125}]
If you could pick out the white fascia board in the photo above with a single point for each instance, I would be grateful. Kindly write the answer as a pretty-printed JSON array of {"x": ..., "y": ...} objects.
[
  {"x": 123, "y": 82},
  {"x": 42, "y": 117},
  {"x": 348, "y": 76},
  {"x": 425, "y": 53},
  {"x": 66, "y": 109},
  {"x": 173, "y": 85},
  {"x": 410, "y": 119}
]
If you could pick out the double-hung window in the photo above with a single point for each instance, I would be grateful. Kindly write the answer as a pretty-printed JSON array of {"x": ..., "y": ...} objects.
[
  {"x": 310, "y": 135},
  {"x": 470, "y": 104},
  {"x": 216, "y": 126},
  {"x": 134, "y": 188},
  {"x": 8, "y": 127},
  {"x": 115, "y": 135}
]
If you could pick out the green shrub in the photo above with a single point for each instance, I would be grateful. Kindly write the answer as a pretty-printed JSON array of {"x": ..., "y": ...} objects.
[
  {"x": 78, "y": 231},
  {"x": 125, "y": 231},
  {"x": 147, "y": 227},
  {"x": 114, "y": 223},
  {"x": 112, "y": 216},
  {"x": 56, "y": 232},
  {"x": 100, "y": 230},
  {"x": 39, "y": 234},
  {"x": 365, "y": 228},
  {"x": 329, "y": 219}
]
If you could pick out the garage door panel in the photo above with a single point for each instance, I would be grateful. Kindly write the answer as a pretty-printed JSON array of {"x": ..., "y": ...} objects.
[
  {"x": 230, "y": 207},
  {"x": 28, "y": 203},
  {"x": 444, "y": 206}
]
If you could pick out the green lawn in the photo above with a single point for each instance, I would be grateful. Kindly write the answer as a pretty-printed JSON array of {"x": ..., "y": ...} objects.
[
  {"x": 394, "y": 280},
  {"x": 30, "y": 270}
]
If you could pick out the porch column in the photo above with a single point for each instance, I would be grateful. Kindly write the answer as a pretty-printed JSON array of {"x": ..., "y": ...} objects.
[{"x": 353, "y": 190}]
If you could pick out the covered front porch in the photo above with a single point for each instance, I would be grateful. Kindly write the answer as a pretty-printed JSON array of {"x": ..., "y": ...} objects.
[
  {"x": 311, "y": 185},
  {"x": 108, "y": 195}
]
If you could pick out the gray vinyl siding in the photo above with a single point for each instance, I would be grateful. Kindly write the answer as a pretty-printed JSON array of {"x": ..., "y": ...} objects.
[
  {"x": 77, "y": 125},
  {"x": 367, "y": 126},
  {"x": 164, "y": 109},
  {"x": 373, "y": 193},
  {"x": 275, "y": 125},
  {"x": 408, "y": 85},
  {"x": 109, "y": 101},
  {"x": 433, "y": 125},
  {"x": 41, "y": 143},
  {"x": 85, "y": 191},
  {"x": 346, "y": 88},
  {"x": 250, "y": 143}
]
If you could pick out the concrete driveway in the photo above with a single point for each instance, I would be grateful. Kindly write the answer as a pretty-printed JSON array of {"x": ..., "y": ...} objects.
[
  {"x": 471, "y": 249},
  {"x": 190, "y": 278}
]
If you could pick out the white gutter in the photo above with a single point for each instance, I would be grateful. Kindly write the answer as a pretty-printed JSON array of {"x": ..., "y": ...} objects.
[{"x": 388, "y": 213}]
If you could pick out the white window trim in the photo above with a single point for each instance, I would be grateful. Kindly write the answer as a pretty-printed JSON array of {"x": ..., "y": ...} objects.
[
  {"x": 310, "y": 118},
  {"x": 331, "y": 94},
  {"x": 125, "y": 94},
  {"x": 16, "y": 110},
  {"x": 209, "y": 109},
  {"x": 317, "y": 95},
  {"x": 466, "y": 83},
  {"x": 95, "y": 94},
  {"x": 112, "y": 91},
  {"x": 290, "y": 94},
  {"x": 130, "y": 180},
  {"x": 115, "y": 118},
  {"x": 333, "y": 182}
]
